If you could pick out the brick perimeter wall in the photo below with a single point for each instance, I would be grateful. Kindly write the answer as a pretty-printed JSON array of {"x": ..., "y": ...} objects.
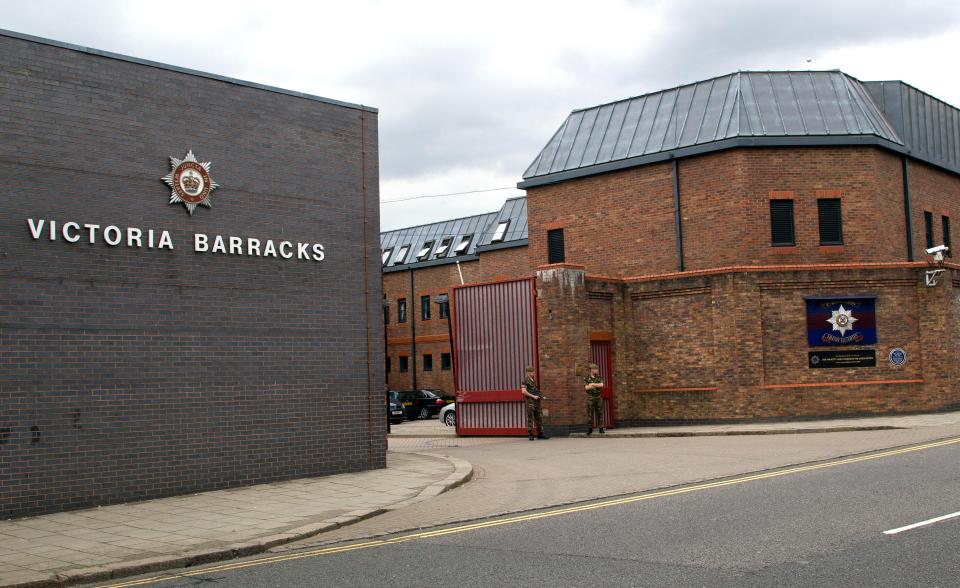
[
  {"x": 734, "y": 346},
  {"x": 131, "y": 373}
]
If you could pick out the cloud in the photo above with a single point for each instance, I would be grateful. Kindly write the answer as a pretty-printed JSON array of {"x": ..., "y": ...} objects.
[{"x": 469, "y": 94}]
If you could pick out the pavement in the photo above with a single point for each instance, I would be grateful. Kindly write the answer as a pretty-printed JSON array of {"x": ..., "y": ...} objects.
[
  {"x": 113, "y": 541},
  {"x": 425, "y": 459}
]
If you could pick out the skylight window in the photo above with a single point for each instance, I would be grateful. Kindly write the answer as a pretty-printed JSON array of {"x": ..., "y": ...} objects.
[
  {"x": 385, "y": 254},
  {"x": 401, "y": 255},
  {"x": 444, "y": 246},
  {"x": 500, "y": 232},
  {"x": 425, "y": 251},
  {"x": 464, "y": 243}
]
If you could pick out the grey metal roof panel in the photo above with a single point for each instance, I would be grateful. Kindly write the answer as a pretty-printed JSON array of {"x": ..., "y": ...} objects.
[
  {"x": 513, "y": 210},
  {"x": 416, "y": 237},
  {"x": 481, "y": 227},
  {"x": 743, "y": 104},
  {"x": 930, "y": 127}
]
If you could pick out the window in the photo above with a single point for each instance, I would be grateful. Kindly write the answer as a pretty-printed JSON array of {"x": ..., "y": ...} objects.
[
  {"x": 404, "y": 364},
  {"x": 445, "y": 309},
  {"x": 555, "y": 252},
  {"x": 500, "y": 232},
  {"x": 425, "y": 251},
  {"x": 388, "y": 364},
  {"x": 928, "y": 224},
  {"x": 464, "y": 244},
  {"x": 831, "y": 225},
  {"x": 385, "y": 255},
  {"x": 781, "y": 223},
  {"x": 424, "y": 308},
  {"x": 402, "y": 310},
  {"x": 427, "y": 362},
  {"x": 444, "y": 361},
  {"x": 401, "y": 255},
  {"x": 946, "y": 234},
  {"x": 386, "y": 314},
  {"x": 444, "y": 246}
]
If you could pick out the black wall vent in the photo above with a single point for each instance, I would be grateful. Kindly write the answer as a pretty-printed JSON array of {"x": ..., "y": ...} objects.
[
  {"x": 831, "y": 224},
  {"x": 781, "y": 223},
  {"x": 555, "y": 252}
]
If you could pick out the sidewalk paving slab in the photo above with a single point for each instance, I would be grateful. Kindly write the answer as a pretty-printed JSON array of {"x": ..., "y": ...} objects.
[
  {"x": 127, "y": 539},
  {"x": 836, "y": 425}
]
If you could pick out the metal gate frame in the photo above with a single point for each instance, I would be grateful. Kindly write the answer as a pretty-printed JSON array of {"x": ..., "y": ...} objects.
[{"x": 494, "y": 332}]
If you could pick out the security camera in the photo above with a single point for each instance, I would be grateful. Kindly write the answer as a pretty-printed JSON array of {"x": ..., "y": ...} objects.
[{"x": 937, "y": 249}]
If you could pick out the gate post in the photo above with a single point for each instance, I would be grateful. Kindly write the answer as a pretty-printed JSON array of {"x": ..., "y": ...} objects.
[{"x": 564, "y": 344}]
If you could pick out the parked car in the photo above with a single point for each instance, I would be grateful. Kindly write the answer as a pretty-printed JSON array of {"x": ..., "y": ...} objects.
[
  {"x": 423, "y": 404},
  {"x": 395, "y": 413},
  {"x": 448, "y": 415}
]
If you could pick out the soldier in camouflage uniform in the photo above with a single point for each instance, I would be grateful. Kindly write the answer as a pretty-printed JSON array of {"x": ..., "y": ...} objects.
[
  {"x": 532, "y": 397},
  {"x": 593, "y": 385}
]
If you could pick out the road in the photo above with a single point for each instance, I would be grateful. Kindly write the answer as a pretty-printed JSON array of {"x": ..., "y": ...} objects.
[{"x": 820, "y": 524}]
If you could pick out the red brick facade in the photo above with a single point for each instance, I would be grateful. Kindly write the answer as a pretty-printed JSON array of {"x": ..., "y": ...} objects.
[{"x": 621, "y": 224}]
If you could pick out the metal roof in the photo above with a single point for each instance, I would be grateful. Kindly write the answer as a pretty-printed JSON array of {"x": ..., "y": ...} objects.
[
  {"x": 930, "y": 128},
  {"x": 480, "y": 228},
  {"x": 809, "y": 107},
  {"x": 514, "y": 213}
]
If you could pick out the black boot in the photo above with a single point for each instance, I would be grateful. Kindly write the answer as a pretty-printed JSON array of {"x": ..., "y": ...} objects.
[
  {"x": 532, "y": 437},
  {"x": 602, "y": 431},
  {"x": 542, "y": 436},
  {"x": 589, "y": 431}
]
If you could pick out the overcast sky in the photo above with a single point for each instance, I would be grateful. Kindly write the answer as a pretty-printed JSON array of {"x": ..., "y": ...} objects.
[{"x": 469, "y": 93}]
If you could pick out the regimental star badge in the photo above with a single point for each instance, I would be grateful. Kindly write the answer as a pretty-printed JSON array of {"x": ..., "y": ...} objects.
[
  {"x": 190, "y": 182},
  {"x": 842, "y": 320}
]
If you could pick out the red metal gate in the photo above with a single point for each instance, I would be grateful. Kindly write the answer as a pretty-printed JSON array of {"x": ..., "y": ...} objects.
[
  {"x": 494, "y": 339},
  {"x": 601, "y": 355}
]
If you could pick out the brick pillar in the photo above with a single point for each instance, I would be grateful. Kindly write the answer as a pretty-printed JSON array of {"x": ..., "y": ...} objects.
[
  {"x": 564, "y": 344},
  {"x": 738, "y": 344},
  {"x": 937, "y": 307},
  {"x": 623, "y": 346}
]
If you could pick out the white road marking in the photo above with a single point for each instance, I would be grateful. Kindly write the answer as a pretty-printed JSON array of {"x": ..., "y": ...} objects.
[{"x": 921, "y": 524}]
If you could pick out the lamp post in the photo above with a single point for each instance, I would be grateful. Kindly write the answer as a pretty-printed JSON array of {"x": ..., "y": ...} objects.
[{"x": 441, "y": 300}]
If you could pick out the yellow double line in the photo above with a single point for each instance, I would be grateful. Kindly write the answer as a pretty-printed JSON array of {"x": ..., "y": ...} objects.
[{"x": 538, "y": 515}]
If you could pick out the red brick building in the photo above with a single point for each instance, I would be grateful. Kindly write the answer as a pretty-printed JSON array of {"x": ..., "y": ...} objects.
[
  {"x": 698, "y": 230},
  {"x": 423, "y": 263}
]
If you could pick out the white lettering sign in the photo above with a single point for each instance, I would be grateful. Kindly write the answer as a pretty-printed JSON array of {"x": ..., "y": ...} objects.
[{"x": 135, "y": 237}]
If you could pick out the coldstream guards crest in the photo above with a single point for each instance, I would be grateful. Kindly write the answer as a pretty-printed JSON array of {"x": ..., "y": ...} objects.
[{"x": 190, "y": 182}]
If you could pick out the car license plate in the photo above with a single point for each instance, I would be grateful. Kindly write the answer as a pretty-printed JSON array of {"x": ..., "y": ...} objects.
[{"x": 396, "y": 412}]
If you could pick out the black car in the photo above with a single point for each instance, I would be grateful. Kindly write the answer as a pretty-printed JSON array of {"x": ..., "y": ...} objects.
[
  {"x": 395, "y": 413},
  {"x": 422, "y": 404}
]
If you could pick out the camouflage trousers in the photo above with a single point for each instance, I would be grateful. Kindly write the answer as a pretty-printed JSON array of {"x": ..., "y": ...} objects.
[
  {"x": 594, "y": 408},
  {"x": 534, "y": 414}
]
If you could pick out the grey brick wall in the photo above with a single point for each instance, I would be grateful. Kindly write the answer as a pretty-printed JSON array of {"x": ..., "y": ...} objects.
[{"x": 131, "y": 373}]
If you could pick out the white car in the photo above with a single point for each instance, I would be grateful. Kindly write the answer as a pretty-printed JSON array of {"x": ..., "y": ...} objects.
[{"x": 448, "y": 415}]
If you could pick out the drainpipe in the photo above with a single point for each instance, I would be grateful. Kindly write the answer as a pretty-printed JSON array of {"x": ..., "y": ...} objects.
[
  {"x": 411, "y": 306},
  {"x": 906, "y": 207},
  {"x": 678, "y": 222}
]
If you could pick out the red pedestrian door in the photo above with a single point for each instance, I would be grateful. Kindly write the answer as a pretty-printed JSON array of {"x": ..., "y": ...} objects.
[{"x": 601, "y": 355}]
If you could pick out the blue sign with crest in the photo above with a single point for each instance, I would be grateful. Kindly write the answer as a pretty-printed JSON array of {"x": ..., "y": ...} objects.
[{"x": 847, "y": 320}]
